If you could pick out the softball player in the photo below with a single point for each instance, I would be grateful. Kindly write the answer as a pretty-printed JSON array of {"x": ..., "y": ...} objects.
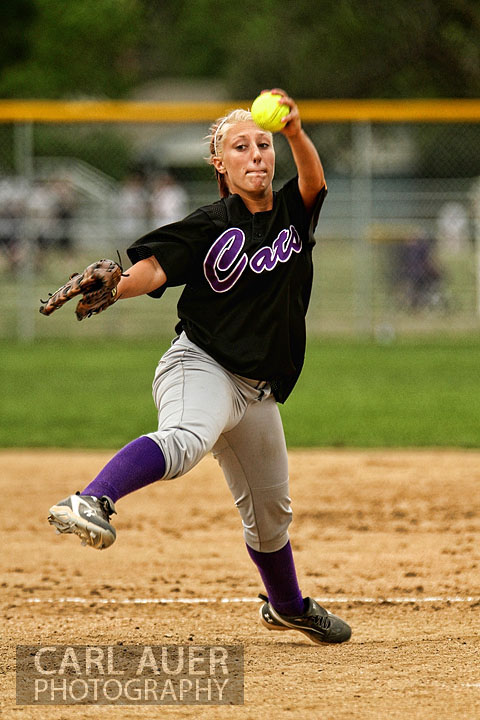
[{"x": 246, "y": 264}]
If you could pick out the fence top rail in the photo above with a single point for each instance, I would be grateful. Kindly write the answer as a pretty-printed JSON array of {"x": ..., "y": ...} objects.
[{"x": 318, "y": 111}]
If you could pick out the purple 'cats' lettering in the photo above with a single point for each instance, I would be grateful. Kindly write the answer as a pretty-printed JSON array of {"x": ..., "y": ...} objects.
[
  {"x": 264, "y": 259},
  {"x": 226, "y": 256},
  {"x": 286, "y": 242}
]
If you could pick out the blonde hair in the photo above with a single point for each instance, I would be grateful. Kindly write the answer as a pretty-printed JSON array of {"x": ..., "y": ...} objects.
[{"x": 217, "y": 133}]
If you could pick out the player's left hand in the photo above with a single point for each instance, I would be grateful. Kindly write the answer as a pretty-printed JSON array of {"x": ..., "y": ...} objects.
[
  {"x": 294, "y": 123},
  {"x": 98, "y": 285}
]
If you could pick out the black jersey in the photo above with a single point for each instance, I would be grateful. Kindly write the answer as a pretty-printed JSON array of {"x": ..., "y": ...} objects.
[{"x": 248, "y": 279}]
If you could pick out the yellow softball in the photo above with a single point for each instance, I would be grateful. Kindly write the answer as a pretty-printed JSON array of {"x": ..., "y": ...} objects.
[{"x": 268, "y": 113}]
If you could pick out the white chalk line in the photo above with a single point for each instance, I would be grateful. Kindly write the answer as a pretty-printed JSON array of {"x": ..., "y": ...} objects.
[{"x": 204, "y": 601}]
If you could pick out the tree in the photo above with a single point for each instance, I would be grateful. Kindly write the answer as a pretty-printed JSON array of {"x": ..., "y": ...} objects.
[
  {"x": 77, "y": 48},
  {"x": 16, "y": 16},
  {"x": 333, "y": 48},
  {"x": 313, "y": 48}
]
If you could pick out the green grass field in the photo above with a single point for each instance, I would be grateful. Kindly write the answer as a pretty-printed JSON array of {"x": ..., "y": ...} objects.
[{"x": 62, "y": 393}]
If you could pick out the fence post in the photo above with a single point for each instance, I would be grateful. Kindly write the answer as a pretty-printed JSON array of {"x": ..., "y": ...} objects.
[
  {"x": 23, "y": 153},
  {"x": 23, "y": 147},
  {"x": 361, "y": 220}
]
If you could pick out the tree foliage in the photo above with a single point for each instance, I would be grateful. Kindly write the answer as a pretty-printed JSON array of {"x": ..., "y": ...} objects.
[
  {"x": 333, "y": 48},
  {"x": 15, "y": 18},
  {"x": 76, "y": 48}
]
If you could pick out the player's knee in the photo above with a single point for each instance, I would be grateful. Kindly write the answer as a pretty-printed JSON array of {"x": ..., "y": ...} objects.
[{"x": 182, "y": 449}]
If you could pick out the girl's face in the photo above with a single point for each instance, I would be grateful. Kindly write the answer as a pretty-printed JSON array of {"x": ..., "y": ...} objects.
[{"x": 248, "y": 160}]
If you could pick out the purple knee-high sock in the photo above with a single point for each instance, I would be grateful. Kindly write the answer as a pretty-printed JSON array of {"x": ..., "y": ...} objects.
[
  {"x": 139, "y": 463},
  {"x": 277, "y": 571}
]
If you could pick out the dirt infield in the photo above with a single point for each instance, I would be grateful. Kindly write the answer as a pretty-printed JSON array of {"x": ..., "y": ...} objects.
[{"x": 390, "y": 540}]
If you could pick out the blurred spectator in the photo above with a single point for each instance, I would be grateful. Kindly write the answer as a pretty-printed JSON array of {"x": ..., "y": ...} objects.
[
  {"x": 168, "y": 202},
  {"x": 34, "y": 218},
  {"x": 40, "y": 210},
  {"x": 12, "y": 199},
  {"x": 453, "y": 227},
  {"x": 418, "y": 274},
  {"x": 132, "y": 206},
  {"x": 63, "y": 214}
]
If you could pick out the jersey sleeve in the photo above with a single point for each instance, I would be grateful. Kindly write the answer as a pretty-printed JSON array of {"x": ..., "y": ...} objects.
[
  {"x": 307, "y": 220},
  {"x": 177, "y": 247}
]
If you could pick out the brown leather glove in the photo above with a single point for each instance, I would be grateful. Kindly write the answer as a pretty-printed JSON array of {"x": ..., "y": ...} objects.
[{"x": 98, "y": 285}]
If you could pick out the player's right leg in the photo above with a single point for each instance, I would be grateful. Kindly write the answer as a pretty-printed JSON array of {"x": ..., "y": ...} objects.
[
  {"x": 196, "y": 401},
  {"x": 86, "y": 516}
]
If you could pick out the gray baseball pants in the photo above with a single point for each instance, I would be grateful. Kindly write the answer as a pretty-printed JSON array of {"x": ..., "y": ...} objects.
[{"x": 201, "y": 408}]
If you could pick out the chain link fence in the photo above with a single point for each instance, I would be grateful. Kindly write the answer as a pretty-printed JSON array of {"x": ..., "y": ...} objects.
[{"x": 398, "y": 241}]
